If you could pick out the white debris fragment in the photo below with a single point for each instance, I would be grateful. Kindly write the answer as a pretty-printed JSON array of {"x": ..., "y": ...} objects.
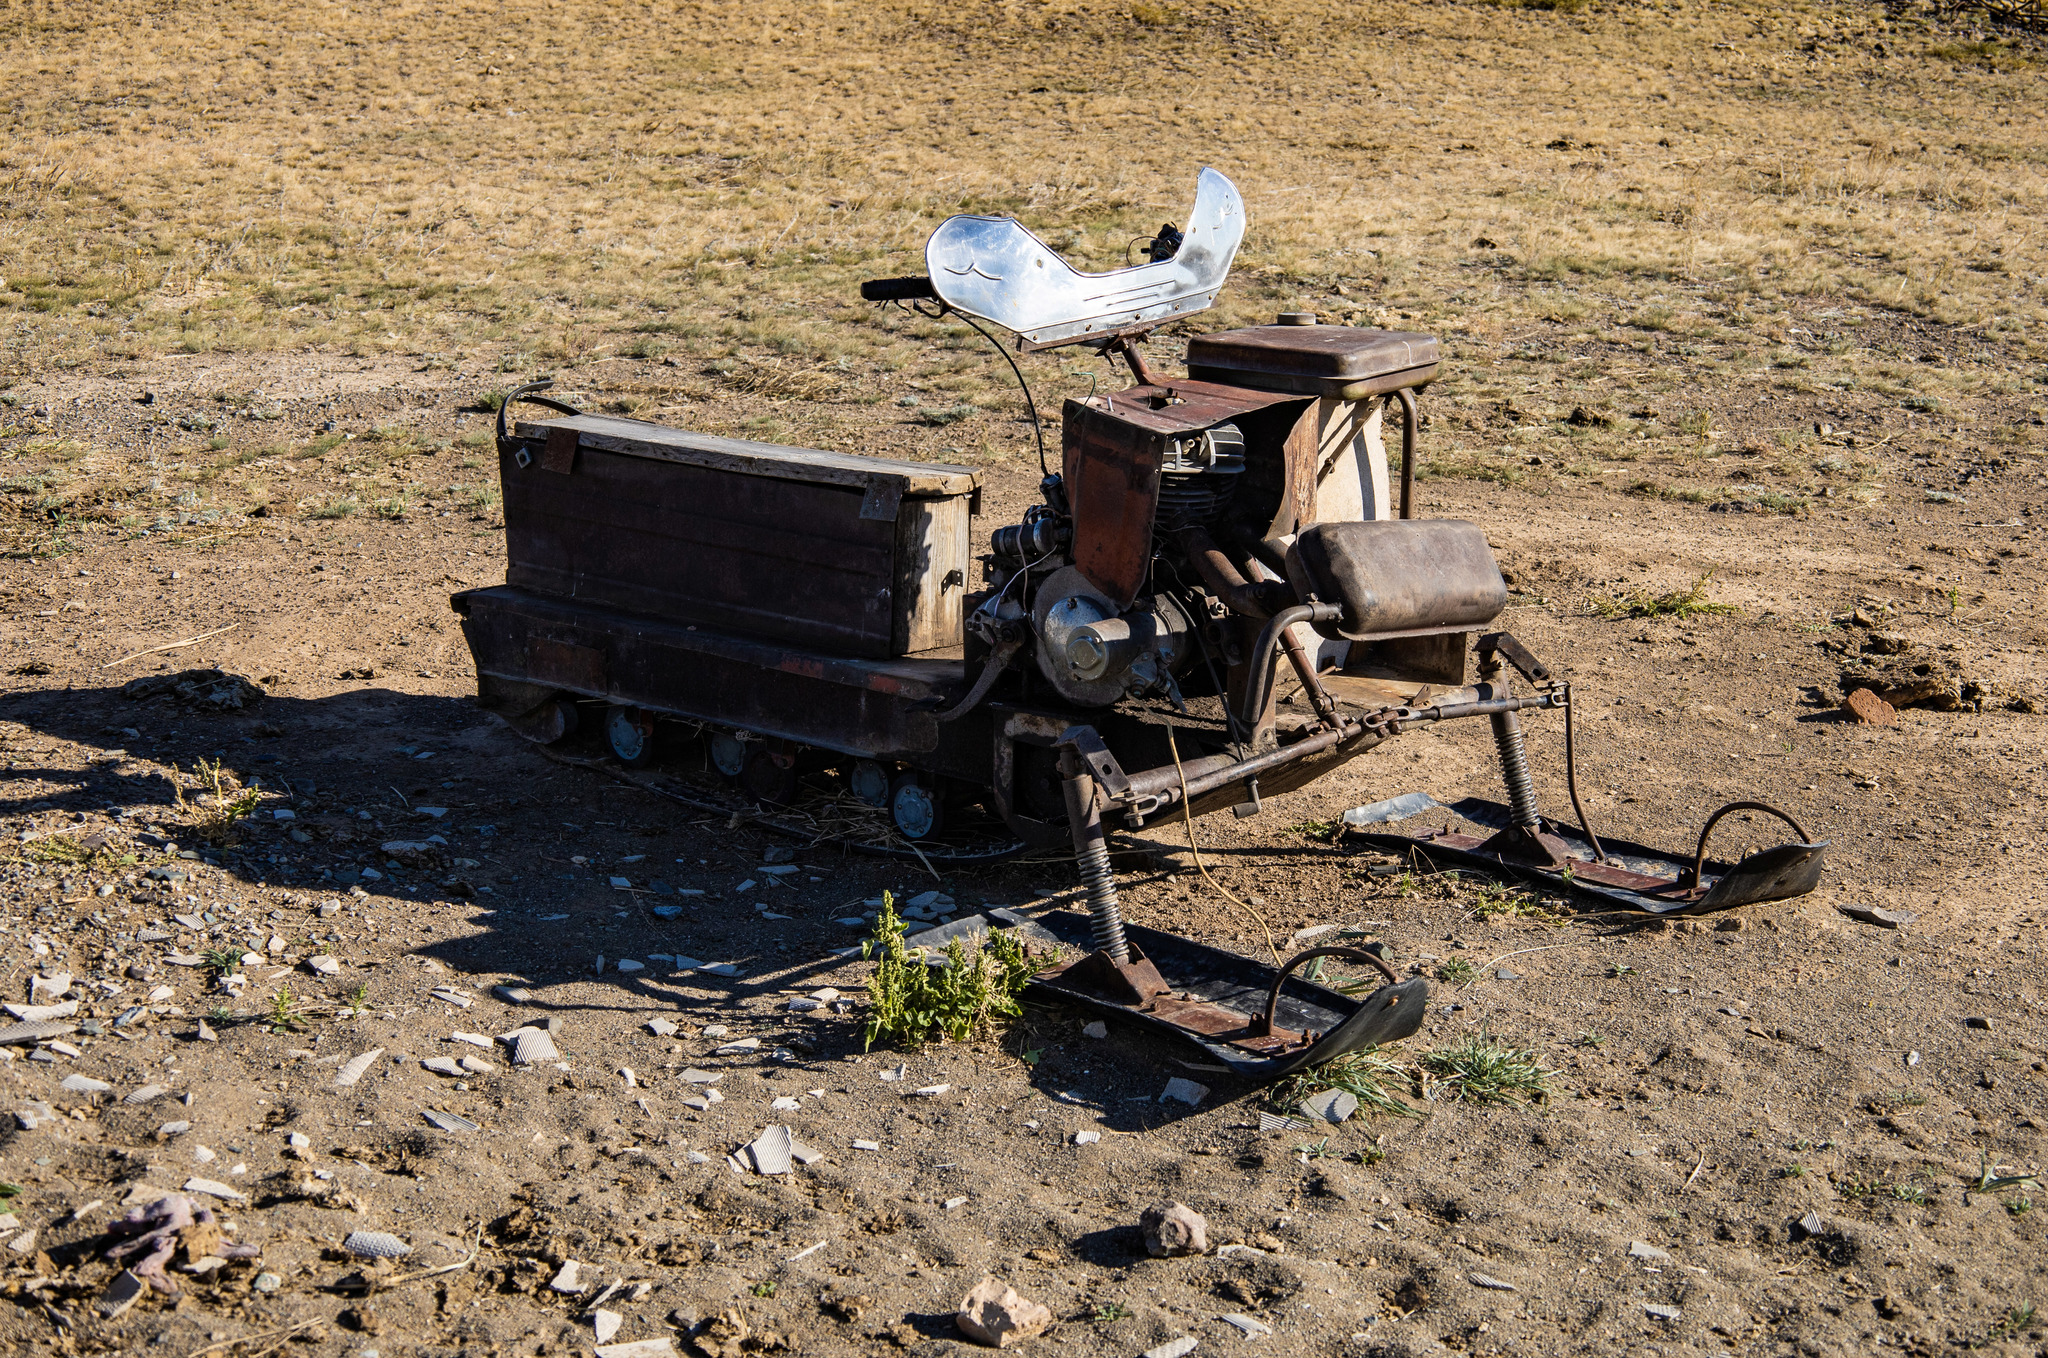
[
  {"x": 1087, "y": 1137},
  {"x": 216, "y": 1189},
  {"x": 530, "y": 1046},
  {"x": 1184, "y": 1091},
  {"x": 662, "y": 1027},
  {"x": 375, "y": 1245},
  {"x": 1252, "y": 1328},
  {"x": 473, "y": 1039}
]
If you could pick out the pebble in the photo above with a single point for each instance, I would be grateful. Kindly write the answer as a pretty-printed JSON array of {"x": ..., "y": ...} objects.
[
  {"x": 930, "y": 1091},
  {"x": 867, "y": 1145},
  {"x": 512, "y": 994},
  {"x": 443, "y": 1065},
  {"x": 473, "y": 1039},
  {"x": 171, "y": 1129},
  {"x": 785, "y": 1104},
  {"x": 214, "y": 1188},
  {"x": 1331, "y": 1105},
  {"x": 1184, "y": 1091},
  {"x": 1646, "y": 1252},
  {"x": 662, "y": 1027},
  {"x": 324, "y": 965},
  {"x": 627, "y": 964},
  {"x": 1173, "y": 1348},
  {"x": 568, "y": 1280},
  {"x": 1097, "y": 1029},
  {"x": 701, "y": 1077},
  {"x": 144, "y": 1094},
  {"x": 743, "y": 1045},
  {"x": 606, "y": 1324},
  {"x": 663, "y": 1347},
  {"x": 1173, "y": 1230},
  {"x": 267, "y": 1282},
  {"x": 85, "y": 1084},
  {"x": 996, "y": 1315}
]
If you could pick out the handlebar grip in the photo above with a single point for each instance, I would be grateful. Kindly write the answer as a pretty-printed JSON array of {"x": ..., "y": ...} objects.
[{"x": 896, "y": 289}]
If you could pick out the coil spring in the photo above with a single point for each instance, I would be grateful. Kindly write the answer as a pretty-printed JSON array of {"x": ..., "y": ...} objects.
[
  {"x": 1514, "y": 769},
  {"x": 1108, "y": 923}
]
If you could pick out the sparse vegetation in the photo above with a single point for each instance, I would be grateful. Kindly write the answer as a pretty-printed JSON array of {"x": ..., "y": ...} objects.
[
  {"x": 1456, "y": 971},
  {"x": 1480, "y": 1069},
  {"x": 1370, "y": 1076},
  {"x": 1682, "y": 604},
  {"x": 910, "y": 999},
  {"x": 221, "y": 804}
]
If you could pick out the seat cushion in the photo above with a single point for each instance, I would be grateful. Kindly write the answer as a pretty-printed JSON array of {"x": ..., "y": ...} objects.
[{"x": 1396, "y": 576}]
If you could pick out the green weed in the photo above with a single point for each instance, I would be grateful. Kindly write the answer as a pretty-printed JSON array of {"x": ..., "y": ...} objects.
[
  {"x": 1483, "y": 1070},
  {"x": 1683, "y": 604},
  {"x": 910, "y": 999},
  {"x": 1367, "y": 1076},
  {"x": 1456, "y": 971}
]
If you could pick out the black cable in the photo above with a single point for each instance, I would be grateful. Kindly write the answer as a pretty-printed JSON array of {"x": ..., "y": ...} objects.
[{"x": 1029, "y": 404}]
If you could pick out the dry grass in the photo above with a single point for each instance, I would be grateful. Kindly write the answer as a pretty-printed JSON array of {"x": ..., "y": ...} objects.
[{"x": 1596, "y": 207}]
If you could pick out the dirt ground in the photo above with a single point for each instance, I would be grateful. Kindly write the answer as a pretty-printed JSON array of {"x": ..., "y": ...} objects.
[
  {"x": 1711, "y": 1086},
  {"x": 1742, "y": 308}
]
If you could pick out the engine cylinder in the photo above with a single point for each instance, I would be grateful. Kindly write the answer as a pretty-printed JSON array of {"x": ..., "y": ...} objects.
[{"x": 1198, "y": 478}]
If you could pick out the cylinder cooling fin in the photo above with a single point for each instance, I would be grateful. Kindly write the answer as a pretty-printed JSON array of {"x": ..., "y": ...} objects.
[{"x": 1198, "y": 478}]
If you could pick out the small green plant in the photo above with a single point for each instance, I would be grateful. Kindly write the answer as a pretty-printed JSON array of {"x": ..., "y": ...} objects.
[
  {"x": 1620, "y": 969},
  {"x": 1795, "y": 1170},
  {"x": 222, "y": 961},
  {"x": 336, "y": 507},
  {"x": 1907, "y": 1098},
  {"x": 285, "y": 1014},
  {"x": 1317, "y": 829},
  {"x": 492, "y": 401},
  {"x": 1483, "y": 1070},
  {"x": 220, "y": 806},
  {"x": 359, "y": 998},
  {"x": 764, "y": 1290},
  {"x": 2017, "y": 1319},
  {"x": 2019, "y": 1207},
  {"x": 393, "y": 507},
  {"x": 1500, "y": 901},
  {"x": 1989, "y": 1180},
  {"x": 1367, "y": 1155},
  {"x": 1110, "y": 1312},
  {"x": 9, "y": 1191},
  {"x": 1909, "y": 1193},
  {"x": 221, "y": 1013},
  {"x": 1316, "y": 1150},
  {"x": 909, "y": 999},
  {"x": 1593, "y": 1040},
  {"x": 1456, "y": 971}
]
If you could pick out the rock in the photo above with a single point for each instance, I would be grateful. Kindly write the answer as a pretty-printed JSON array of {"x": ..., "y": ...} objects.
[
  {"x": 207, "y": 690},
  {"x": 1730, "y": 924},
  {"x": 1882, "y": 918},
  {"x": 1331, "y": 1105},
  {"x": 662, "y": 1027},
  {"x": 443, "y": 1065},
  {"x": 1982, "y": 1024},
  {"x": 42, "y": 1013},
  {"x": 144, "y": 1094},
  {"x": 1184, "y": 1091},
  {"x": 355, "y": 1068},
  {"x": 512, "y": 994},
  {"x": 1172, "y": 1348},
  {"x": 213, "y": 1188},
  {"x": 49, "y": 989},
  {"x": 867, "y": 1145},
  {"x": 476, "y": 1065},
  {"x": 323, "y": 965},
  {"x": 628, "y": 965},
  {"x": 606, "y": 1324},
  {"x": 568, "y": 1279},
  {"x": 1097, "y": 1029},
  {"x": 267, "y": 1282},
  {"x": 206, "y": 1034},
  {"x": 1869, "y": 709},
  {"x": 1172, "y": 1230},
  {"x": 739, "y": 1048},
  {"x": 449, "y": 1122},
  {"x": 663, "y": 1347},
  {"x": 121, "y": 1294},
  {"x": 171, "y": 1129},
  {"x": 994, "y": 1314},
  {"x": 930, "y": 1091},
  {"x": 85, "y": 1084},
  {"x": 530, "y": 1046},
  {"x": 1647, "y": 1253}
]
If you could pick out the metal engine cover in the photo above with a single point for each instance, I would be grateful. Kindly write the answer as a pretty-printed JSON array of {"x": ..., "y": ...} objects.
[{"x": 1065, "y": 602}]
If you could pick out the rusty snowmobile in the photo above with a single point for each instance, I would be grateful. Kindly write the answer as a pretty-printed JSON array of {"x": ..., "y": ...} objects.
[{"x": 1205, "y": 543}]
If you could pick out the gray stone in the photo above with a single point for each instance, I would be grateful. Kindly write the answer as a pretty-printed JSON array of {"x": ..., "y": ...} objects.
[
  {"x": 1878, "y": 915},
  {"x": 1184, "y": 1091},
  {"x": 1647, "y": 1253},
  {"x": 1172, "y": 1230},
  {"x": 1331, "y": 1105},
  {"x": 996, "y": 1315}
]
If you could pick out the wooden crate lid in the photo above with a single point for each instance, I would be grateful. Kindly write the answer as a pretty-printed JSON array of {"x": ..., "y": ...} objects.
[{"x": 639, "y": 438}]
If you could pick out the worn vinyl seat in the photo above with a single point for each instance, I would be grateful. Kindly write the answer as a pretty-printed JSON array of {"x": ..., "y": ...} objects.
[{"x": 1399, "y": 577}]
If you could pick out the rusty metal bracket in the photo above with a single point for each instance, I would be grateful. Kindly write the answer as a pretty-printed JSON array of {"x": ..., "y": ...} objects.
[
  {"x": 1691, "y": 877},
  {"x": 1087, "y": 742},
  {"x": 1515, "y": 653},
  {"x": 1263, "y": 1027},
  {"x": 998, "y": 661}
]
